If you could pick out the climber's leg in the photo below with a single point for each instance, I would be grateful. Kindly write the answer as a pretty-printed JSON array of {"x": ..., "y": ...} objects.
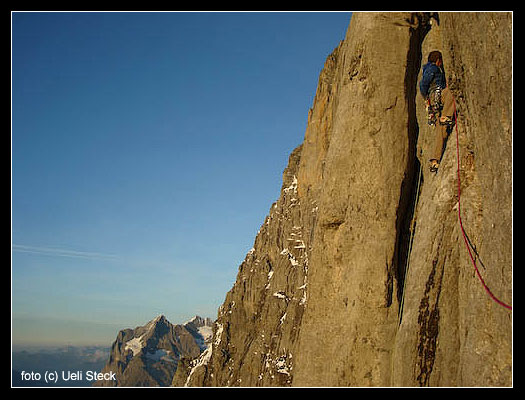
[
  {"x": 447, "y": 113},
  {"x": 440, "y": 134}
]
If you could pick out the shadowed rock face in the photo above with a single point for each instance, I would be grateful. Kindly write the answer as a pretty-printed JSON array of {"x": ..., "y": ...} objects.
[{"x": 359, "y": 276}]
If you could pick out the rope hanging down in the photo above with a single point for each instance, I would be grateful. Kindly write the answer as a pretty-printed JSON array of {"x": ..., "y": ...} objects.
[{"x": 493, "y": 297}]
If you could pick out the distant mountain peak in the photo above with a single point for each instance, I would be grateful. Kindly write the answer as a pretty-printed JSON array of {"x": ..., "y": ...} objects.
[
  {"x": 159, "y": 320},
  {"x": 148, "y": 355}
]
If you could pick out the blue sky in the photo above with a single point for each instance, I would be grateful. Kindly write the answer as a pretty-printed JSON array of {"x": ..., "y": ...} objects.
[{"x": 147, "y": 149}]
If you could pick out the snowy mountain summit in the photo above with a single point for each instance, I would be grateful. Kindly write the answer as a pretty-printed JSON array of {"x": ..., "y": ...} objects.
[
  {"x": 201, "y": 329},
  {"x": 148, "y": 355}
]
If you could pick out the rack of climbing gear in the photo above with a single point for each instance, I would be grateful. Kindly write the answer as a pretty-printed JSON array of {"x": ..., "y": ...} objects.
[{"x": 434, "y": 106}]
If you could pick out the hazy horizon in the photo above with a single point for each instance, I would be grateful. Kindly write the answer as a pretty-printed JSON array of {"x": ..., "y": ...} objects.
[{"x": 80, "y": 332}]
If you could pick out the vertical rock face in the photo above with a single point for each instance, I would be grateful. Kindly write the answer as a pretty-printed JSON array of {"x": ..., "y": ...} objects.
[
  {"x": 353, "y": 277},
  {"x": 359, "y": 275}
]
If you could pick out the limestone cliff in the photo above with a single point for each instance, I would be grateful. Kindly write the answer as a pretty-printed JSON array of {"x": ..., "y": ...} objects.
[{"x": 360, "y": 276}]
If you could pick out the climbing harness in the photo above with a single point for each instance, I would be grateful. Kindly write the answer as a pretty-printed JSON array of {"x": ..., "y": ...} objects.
[{"x": 492, "y": 296}]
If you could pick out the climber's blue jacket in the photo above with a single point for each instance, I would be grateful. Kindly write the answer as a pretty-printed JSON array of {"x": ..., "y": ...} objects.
[{"x": 431, "y": 74}]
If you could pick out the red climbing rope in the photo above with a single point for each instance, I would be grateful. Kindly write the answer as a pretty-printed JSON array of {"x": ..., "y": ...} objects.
[{"x": 501, "y": 303}]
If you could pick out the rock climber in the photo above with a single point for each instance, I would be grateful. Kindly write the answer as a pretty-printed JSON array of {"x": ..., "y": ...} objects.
[{"x": 439, "y": 103}]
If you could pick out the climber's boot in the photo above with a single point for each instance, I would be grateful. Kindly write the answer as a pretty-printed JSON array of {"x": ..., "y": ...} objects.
[
  {"x": 434, "y": 166},
  {"x": 447, "y": 121}
]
